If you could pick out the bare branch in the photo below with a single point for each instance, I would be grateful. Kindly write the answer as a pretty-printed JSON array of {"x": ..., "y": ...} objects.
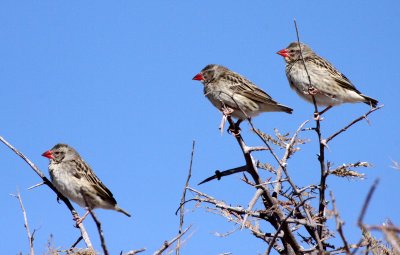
[
  {"x": 352, "y": 123},
  {"x": 289, "y": 148},
  {"x": 366, "y": 203},
  {"x": 167, "y": 244},
  {"x": 134, "y": 252},
  {"x": 251, "y": 204},
  {"x": 392, "y": 236},
  {"x": 280, "y": 227},
  {"x": 28, "y": 232},
  {"x": 339, "y": 225},
  {"x": 182, "y": 205},
  {"x": 100, "y": 230}
]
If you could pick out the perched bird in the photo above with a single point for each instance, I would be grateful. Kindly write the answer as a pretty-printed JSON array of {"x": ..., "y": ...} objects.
[
  {"x": 329, "y": 86},
  {"x": 74, "y": 179},
  {"x": 229, "y": 90}
]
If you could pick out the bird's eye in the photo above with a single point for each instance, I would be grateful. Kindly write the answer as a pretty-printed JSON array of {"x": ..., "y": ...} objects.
[{"x": 57, "y": 152}]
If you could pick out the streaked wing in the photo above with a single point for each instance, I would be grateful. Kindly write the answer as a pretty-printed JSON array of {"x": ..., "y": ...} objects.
[
  {"x": 337, "y": 76},
  {"x": 87, "y": 173},
  {"x": 246, "y": 88}
]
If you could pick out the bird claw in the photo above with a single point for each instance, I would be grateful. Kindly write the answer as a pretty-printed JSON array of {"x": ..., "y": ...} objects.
[
  {"x": 312, "y": 91},
  {"x": 79, "y": 220},
  {"x": 222, "y": 125},
  {"x": 227, "y": 111}
]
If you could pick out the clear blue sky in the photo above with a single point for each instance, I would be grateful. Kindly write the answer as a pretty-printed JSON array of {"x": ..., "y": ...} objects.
[{"x": 114, "y": 81}]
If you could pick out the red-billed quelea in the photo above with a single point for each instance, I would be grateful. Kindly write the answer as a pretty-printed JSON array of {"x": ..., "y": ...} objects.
[
  {"x": 329, "y": 86},
  {"x": 229, "y": 90},
  {"x": 74, "y": 179}
]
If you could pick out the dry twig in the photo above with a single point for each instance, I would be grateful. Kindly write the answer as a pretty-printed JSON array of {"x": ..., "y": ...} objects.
[
  {"x": 167, "y": 244},
  {"x": 100, "y": 230},
  {"x": 28, "y": 232},
  {"x": 133, "y": 252},
  {"x": 339, "y": 225},
  {"x": 364, "y": 116},
  {"x": 182, "y": 205}
]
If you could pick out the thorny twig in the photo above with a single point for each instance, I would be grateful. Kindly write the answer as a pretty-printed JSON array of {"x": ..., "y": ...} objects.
[
  {"x": 279, "y": 229},
  {"x": 268, "y": 200},
  {"x": 364, "y": 116},
  {"x": 234, "y": 214}
]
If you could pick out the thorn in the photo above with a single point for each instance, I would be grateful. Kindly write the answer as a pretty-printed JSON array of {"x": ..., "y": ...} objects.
[
  {"x": 36, "y": 185},
  {"x": 222, "y": 125},
  {"x": 368, "y": 121}
]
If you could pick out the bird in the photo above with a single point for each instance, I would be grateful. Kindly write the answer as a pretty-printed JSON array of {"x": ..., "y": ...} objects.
[
  {"x": 229, "y": 90},
  {"x": 329, "y": 86},
  {"x": 74, "y": 179}
]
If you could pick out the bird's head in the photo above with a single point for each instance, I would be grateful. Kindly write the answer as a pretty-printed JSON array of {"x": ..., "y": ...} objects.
[
  {"x": 209, "y": 73},
  {"x": 60, "y": 152},
  {"x": 293, "y": 53}
]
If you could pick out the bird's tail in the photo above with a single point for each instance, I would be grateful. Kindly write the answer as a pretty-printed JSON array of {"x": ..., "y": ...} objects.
[
  {"x": 370, "y": 101},
  {"x": 118, "y": 209},
  {"x": 283, "y": 108}
]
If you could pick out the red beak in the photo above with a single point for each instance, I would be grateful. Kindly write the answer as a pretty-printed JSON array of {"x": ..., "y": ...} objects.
[
  {"x": 284, "y": 53},
  {"x": 48, "y": 154},
  {"x": 198, "y": 77}
]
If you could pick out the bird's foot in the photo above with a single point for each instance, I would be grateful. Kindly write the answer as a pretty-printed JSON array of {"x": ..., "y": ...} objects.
[
  {"x": 312, "y": 91},
  {"x": 222, "y": 125},
  {"x": 79, "y": 220},
  {"x": 226, "y": 111}
]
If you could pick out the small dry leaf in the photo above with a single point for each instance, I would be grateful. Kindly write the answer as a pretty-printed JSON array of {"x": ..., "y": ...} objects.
[
  {"x": 345, "y": 171},
  {"x": 266, "y": 166}
]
